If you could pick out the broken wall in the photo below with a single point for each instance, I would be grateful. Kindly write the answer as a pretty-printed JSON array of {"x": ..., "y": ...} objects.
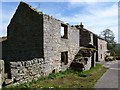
[
  {"x": 25, "y": 34},
  {"x": 54, "y": 45},
  {"x": 24, "y": 58}
]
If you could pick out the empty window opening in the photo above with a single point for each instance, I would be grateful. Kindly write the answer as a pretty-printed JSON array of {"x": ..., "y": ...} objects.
[
  {"x": 101, "y": 56},
  {"x": 64, "y": 31},
  {"x": 85, "y": 59},
  {"x": 53, "y": 71},
  {"x": 64, "y": 57}
]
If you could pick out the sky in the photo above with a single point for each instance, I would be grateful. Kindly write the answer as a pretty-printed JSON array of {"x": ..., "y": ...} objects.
[{"x": 96, "y": 15}]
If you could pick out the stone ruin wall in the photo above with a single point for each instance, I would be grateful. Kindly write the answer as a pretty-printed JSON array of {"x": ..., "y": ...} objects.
[
  {"x": 32, "y": 33},
  {"x": 25, "y": 42},
  {"x": 54, "y": 44},
  {"x": 25, "y": 34}
]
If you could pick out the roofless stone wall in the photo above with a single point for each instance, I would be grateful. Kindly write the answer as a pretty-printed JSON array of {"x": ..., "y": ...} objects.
[
  {"x": 36, "y": 46},
  {"x": 55, "y": 45},
  {"x": 25, "y": 34},
  {"x": 24, "y": 57}
]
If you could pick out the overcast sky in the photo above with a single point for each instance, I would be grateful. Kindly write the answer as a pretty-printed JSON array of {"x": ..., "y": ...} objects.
[{"x": 96, "y": 15}]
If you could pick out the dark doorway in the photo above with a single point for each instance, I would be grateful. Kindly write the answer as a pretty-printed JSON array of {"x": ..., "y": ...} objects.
[
  {"x": 92, "y": 61},
  {"x": 64, "y": 57}
]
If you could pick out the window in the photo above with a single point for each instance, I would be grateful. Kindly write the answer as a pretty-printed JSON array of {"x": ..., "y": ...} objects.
[
  {"x": 85, "y": 60},
  {"x": 64, "y": 57},
  {"x": 101, "y": 56},
  {"x": 64, "y": 31},
  {"x": 101, "y": 46}
]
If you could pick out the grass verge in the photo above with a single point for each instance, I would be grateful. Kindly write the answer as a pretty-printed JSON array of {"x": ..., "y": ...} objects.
[{"x": 67, "y": 79}]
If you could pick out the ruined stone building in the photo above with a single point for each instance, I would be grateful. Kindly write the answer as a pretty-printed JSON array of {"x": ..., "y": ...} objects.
[{"x": 38, "y": 44}]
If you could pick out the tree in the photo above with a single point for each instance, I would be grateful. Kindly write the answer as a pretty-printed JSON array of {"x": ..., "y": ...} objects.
[{"x": 108, "y": 35}]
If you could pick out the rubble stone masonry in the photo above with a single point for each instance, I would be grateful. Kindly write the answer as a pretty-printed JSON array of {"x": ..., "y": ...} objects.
[{"x": 35, "y": 44}]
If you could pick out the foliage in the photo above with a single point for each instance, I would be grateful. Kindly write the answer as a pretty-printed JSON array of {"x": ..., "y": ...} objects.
[
  {"x": 108, "y": 35},
  {"x": 117, "y": 50}
]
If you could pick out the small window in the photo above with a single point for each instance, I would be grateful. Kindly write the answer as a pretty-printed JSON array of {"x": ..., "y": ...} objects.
[
  {"x": 64, "y": 57},
  {"x": 101, "y": 56},
  {"x": 64, "y": 31},
  {"x": 101, "y": 46},
  {"x": 85, "y": 60}
]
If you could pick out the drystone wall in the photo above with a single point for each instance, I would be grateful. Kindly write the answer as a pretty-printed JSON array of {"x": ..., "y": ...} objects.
[{"x": 23, "y": 71}]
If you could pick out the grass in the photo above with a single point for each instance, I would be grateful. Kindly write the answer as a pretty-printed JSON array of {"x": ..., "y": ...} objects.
[{"x": 67, "y": 79}]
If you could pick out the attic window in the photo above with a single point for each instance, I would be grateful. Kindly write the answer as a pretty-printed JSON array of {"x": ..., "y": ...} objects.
[{"x": 64, "y": 31}]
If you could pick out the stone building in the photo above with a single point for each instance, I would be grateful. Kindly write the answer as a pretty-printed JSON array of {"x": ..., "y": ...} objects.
[
  {"x": 38, "y": 44},
  {"x": 102, "y": 49},
  {"x": 91, "y": 40},
  {"x": 87, "y": 40}
]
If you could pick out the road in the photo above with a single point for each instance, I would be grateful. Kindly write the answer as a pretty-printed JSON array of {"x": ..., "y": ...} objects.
[{"x": 110, "y": 77}]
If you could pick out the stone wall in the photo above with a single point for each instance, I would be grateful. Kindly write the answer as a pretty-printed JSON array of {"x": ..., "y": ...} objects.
[
  {"x": 25, "y": 34},
  {"x": 35, "y": 44},
  {"x": 0, "y": 49},
  {"x": 85, "y": 37},
  {"x": 22, "y": 71},
  {"x": 54, "y": 44},
  {"x": 1, "y": 73},
  {"x": 102, "y": 48},
  {"x": 3, "y": 47}
]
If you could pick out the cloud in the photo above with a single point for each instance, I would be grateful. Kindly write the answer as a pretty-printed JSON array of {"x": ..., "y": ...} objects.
[
  {"x": 7, "y": 12},
  {"x": 93, "y": 0},
  {"x": 61, "y": 0},
  {"x": 0, "y": 18},
  {"x": 5, "y": 21},
  {"x": 96, "y": 16},
  {"x": 98, "y": 19}
]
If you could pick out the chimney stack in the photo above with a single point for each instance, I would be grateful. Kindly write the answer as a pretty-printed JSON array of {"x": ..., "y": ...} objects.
[{"x": 81, "y": 25}]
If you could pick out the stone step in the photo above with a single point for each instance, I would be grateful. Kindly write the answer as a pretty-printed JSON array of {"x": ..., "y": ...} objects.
[{"x": 8, "y": 81}]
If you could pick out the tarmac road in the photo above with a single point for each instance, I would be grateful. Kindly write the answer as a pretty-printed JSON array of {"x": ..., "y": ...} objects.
[{"x": 110, "y": 77}]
